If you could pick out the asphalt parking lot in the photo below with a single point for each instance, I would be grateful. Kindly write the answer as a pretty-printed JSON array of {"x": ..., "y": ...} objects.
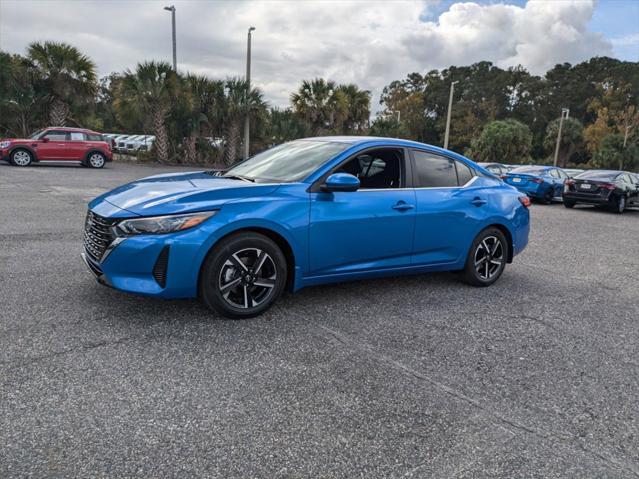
[{"x": 414, "y": 377}]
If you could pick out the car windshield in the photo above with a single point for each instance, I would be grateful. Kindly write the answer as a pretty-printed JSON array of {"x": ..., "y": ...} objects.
[
  {"x": 289, "y": 162},
  {"x": 598, "y": 175},
  {"x": 529, "y": 170},
  {"x": 36, "y": 134}
]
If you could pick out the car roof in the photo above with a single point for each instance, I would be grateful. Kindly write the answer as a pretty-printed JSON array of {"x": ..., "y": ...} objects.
[{"x": 68, "y": 128}]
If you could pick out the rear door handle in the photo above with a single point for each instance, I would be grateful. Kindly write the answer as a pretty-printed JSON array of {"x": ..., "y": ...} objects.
[
  {"x": 402, "y": 206},
  {"x": 478, "y": 201}
]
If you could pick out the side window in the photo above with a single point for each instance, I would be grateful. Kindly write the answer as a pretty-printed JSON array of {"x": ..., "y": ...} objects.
[
  {"x": 376, "y": 169},
  {"x": 464, "y": 173},
  {"x": 563, "y": 175},
  {"x": 554, "y": 173},
  {"x": 77, "y": 136},
  {"x": 54, "y": 135},
  {"x": 93, "y": 137},
  {"x": 432, "y": 171}
]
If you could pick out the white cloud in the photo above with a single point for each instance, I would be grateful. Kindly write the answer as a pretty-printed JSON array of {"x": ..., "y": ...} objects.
[{"x": 370, "y": 43}]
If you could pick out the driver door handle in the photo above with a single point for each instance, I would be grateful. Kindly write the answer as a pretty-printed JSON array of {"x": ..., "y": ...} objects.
[{"x": 402, "y": 206}]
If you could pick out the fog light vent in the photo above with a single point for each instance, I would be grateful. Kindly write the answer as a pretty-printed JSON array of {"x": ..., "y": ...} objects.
[{"x": 161, "y": 265}]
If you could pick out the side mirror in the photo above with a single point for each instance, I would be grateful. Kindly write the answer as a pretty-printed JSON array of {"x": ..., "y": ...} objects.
[
  {"x": 45, "y": 140},
  {"x": 341, "y": 182}
]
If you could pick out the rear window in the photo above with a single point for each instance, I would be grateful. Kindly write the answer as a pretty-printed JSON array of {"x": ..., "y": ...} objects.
[
  {"x": 598, "y": 175},
  {"x": 94, "y": 137},
  {"x": 529, "y": 170}
]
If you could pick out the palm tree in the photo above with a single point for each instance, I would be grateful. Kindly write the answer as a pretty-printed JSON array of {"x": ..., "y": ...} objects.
[
  {"x": 320, "y": 104},
  {"x": 148, "y": 91},
  {"x": 237, "y": 106},
  {"x": 206, "y": 111},
  {"x": 284, "y": 125},
  {"x": 358, "y": 108},
  {"x": 65, "y": 74}
]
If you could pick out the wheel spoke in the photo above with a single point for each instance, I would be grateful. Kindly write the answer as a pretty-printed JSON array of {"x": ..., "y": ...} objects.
[
  {"x": 487, "y": 265},
  {"x": 237, "y": 262},
  {"x": 246, "y": 297},
  {"x": 480, "y": 262},
  {"x": 485, "y": 246},
  {"x": 230, "y": 285},
  {"x": 261, "y": 258},
  {"x": 497, "y": 245},
  {"x": 265, "y": 283},
  {"x": 494, "y": 261}
]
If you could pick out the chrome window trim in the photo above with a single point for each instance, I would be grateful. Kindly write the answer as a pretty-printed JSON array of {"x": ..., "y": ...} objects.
[{"x": 466, "y": 185}]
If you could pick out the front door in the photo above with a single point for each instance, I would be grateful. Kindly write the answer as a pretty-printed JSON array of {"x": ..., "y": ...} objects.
[
  {"x": 53, "y": 146},
  {"x": 365, "y": 230}
]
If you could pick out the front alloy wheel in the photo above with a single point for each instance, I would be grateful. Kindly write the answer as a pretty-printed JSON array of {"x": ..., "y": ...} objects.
[
  {"x": 21, "y": 158},
  {"x": 620, "y": 205},
  {"x": 243, "y": 275},
  {"x": 487, "y": 258}
]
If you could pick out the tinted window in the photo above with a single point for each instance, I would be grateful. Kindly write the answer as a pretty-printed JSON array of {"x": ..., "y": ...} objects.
[
  {"x": 554, "y": 173},
  {"x": 77, "y": 136},
  {"x": 464, "y": 173},
  {"x": 94, "y": 137},
  {"x": 598, "y": 175},
  {"x": 529, "y": 170},
  {"x": 562, "y": 174},
  {"x": 376, "y": 168},
  {"x": 56, "y": 135},
  {"x": 433, "y": 170}
]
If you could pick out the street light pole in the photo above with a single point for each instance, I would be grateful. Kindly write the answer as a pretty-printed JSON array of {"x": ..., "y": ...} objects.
[
  {"x": 564, "y": 115},
  {"x": 172, "y": 10},
  {"x": 247, "y": 126},
  {"x": 450, "y": 107},
  {"x": 625, "y": 141}
]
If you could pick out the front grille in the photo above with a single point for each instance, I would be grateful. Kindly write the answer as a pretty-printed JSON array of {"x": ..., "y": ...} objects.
[{"x": 97, "y": 235}]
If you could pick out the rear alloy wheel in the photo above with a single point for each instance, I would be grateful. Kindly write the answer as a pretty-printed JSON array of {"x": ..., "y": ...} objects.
[
  {"x": 620, "y": 205},
  {"x": 243, "y": 276},
  {"x": 548, "y": 197},
  {"x": 487, "y": 258},
  {"x": 96, "y": 160},
  {"x": 21, "y": 158}
]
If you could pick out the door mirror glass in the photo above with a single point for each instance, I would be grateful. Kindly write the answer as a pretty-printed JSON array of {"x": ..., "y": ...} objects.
[
  {"x": 341, "y": 182},
  {"x": 45, "y": 140}
]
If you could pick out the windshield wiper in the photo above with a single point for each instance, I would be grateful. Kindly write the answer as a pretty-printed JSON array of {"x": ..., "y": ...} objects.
[{"x": 238, "y": 177}]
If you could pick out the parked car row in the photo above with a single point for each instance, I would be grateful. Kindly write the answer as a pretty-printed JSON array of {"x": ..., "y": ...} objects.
[
  {"x": 130, "y": 144},
  {"x": 612, "y": 189}
]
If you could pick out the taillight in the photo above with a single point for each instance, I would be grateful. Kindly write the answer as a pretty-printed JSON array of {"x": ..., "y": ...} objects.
[
  {"x": 503, "y": 177},
  {"x": 609, "y": 186},
  {"x": 524, "y": 200},
  {"x": 537, "y": 180}
]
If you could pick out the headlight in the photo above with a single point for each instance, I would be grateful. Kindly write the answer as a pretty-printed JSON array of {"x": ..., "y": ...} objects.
[
  {"x": 161, "y": 224},
  {"x": 5, "y": 144}
]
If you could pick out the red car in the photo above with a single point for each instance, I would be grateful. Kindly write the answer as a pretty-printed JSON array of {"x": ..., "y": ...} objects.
[{"x": 73, "y": 145}]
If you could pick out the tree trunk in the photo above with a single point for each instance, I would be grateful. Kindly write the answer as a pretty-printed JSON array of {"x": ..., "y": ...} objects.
[
  {"x": 232, "y": 143},
  {"x": 58, "y": 112},
  {"x": 159, "y": 128},
  {"x": 190, "y": 153}
]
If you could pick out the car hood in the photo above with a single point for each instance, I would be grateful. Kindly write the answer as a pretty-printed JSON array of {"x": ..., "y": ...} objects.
[{"x": 178, "y": 193}]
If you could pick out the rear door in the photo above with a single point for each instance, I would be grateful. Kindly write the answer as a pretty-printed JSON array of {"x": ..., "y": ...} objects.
[
  {"x": 448, "y": 208},
  {"x": 78, "y": 145}
]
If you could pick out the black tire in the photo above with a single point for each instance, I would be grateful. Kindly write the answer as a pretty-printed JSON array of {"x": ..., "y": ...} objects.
[
  {"x": 620, "y": 205},
  {"x": 237, "y": 290},
  {"x": 475, "y": 267},
  {"x": 569, "y": 204},
  {"x": 548, "y": 197},
  {"x": 95, "y": 159},
  {"x": 21, "y": 157}
]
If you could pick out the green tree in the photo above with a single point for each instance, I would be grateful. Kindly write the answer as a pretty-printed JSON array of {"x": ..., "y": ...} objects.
[
  {"x": 503, "y": 141},
  {"x": 357, "y": 104},
  {"x": 320, "y": 104},
  {"x": 66, "y": 75},
  {"x": 571, "y": 142},
  {"x": 284, "y": 125},
  {"x": 237, "y": 104},
  {"x": 612, "y": 155},
  {"x": 147, "y": 92}
]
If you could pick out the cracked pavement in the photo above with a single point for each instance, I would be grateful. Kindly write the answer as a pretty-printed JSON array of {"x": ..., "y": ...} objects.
[{"x": 407, "y": 377}]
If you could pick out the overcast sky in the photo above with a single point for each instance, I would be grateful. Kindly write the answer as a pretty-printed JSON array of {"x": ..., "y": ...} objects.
[{"x": 367, "y": 42}]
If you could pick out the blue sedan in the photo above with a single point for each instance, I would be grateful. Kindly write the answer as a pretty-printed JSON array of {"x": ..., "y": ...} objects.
[
  {"x": 544, "y": 183},
  {"x": 308, "y": 212}
]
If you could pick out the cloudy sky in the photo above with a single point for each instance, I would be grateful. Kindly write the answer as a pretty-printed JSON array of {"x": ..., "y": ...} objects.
[{"x": 367, "y": 42}]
